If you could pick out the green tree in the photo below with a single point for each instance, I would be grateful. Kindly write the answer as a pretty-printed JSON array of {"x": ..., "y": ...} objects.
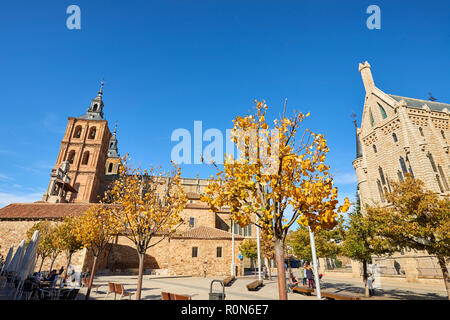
[
  {"x": 249, "y": 249},
  {"x": 417, "y": 219},
  {"x": 361, "y": 241}
]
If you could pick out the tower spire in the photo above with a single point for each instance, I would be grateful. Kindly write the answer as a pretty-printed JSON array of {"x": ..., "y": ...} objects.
[{"x": 100, "y": 92}]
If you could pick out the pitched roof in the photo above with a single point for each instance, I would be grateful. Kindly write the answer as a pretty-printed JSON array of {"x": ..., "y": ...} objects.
[
  {"x": 43, "y": 210},
  {"x": 204, "y": 232},
  {"x": 418, "y": 103}
]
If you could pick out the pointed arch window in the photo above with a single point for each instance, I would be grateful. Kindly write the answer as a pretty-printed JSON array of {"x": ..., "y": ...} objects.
[
  {"x": 403, "y": 165},
  {"x": 383, "y": 112},
  {"x": 380, "y": 170},
  {"x": 380, "y": 190},
  {"x": 95, "y": 107},
  {"x": 444, "y": 179},
  {"x": 371, "y": 118},
  {"x": 85, "y": 158},
  {"x": 421, "y": 131},
  {"x": 71, "y": 156},
  {"x": 77, "y": 133},
  {"x": 394, "y": 136}
]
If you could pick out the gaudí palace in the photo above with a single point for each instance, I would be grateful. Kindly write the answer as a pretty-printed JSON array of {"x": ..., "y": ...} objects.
[{"x": 397, "y": 135}]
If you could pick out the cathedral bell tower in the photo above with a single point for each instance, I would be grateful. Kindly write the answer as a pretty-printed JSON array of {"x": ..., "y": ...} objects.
[{"x": 84, "y": 148}]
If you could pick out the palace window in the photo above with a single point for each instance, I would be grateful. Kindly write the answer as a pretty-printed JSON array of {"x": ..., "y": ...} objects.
[
  {"x": 444, "y": 179},
  {"x": 219, "y": 252},
  {"x": 421, "y": 131},
  {"x": 85, "y": 158},
  {"x": 194, "y": 252},
  {"x": 383, "y": 112},
  {"x": 191, "y": 222},
  {"x": 394, "y": 136},
  {"x": 92, "y": 133},
  {"x": 71, "y": 157},
  {"x": 77, "y": 133}
]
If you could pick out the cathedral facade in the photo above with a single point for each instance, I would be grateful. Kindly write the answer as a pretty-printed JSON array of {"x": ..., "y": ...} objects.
[
  {"x": 400, "y": 135},
  {"x": 86, "y": 165}
]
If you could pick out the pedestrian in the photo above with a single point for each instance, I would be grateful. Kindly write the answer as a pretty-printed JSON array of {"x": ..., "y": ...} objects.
[
  {"x": 370, "y": 280},
  {"x": 310, "y": 276},
  {"x": 304, "y": 274},
  {"x": 265, "y": 272}
]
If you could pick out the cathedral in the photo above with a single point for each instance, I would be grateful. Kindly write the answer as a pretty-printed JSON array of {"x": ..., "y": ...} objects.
[
  {"x": 87, "y": 163},
  {"x": 400, "y": 135}
]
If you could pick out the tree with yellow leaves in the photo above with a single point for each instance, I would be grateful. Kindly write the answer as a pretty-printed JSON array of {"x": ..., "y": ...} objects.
[
  {"x": 68, "y": 240},
  {"x": 276, "y": 171},
  {"x": 417, "y": 219},
  {"x": 148, "y": 206},
  {"x": 95, "y": 228}
]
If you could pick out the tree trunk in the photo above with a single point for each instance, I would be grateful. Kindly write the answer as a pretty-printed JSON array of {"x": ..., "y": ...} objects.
[
  {"x": 366, "y": 287},
  {"x": 281, "y": 270},
  {"x": 445, "y": 275},
  {"x": 42, "y": 262},
  {"x": 53, "y": 261},
  {"x": 69, "y": 257},
  {"x": 141, "y": 274},
  {"x": 91, "y": 279}
]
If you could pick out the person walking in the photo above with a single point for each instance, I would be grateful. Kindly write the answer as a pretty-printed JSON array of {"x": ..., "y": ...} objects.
[
  {"x": 370, "y": 280},
  {"x": 304, "y": 274},
  {"x": 310, "y": 276}
]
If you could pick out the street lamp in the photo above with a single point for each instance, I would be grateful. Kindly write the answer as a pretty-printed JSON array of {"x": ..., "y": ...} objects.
[{"x": 316, "y": 269}]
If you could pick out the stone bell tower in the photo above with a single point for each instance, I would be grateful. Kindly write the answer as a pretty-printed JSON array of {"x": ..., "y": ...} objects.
[{"x": 85, "y": 147}]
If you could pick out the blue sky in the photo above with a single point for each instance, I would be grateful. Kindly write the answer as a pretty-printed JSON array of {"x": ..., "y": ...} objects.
[{"x": 169, "y": 63}]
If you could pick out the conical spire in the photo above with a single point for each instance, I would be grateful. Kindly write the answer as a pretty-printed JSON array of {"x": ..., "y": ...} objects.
[{"x": 95, "y": 110}]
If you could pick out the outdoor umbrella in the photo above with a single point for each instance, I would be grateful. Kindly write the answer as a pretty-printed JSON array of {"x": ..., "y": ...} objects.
[
  {"x": 15, "y": 262},
  {"x": 8, "y": 258},
  {"x": 29, "y": 258}
]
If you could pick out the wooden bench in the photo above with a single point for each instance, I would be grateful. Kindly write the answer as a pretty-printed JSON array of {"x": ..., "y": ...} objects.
[
  {"x": 307, "y": 291},
  {"x": 255, "y": 285},
  {"x": 338, "y": 296},
  {"x": 85, "y": 283},
  {"x": 228, "y": 281},
  {"x": 174, "y": 296},
  {"x": 119, "y": 289}
]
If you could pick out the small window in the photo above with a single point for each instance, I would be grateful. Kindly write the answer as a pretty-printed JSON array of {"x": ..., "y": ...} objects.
[
  {"x": 194, "y": 252},
  {"x": 442, "y": 133},
  {"x": 403, "y": 165},
  {"x": 380, "y": 170},
  {"x": 71, "y": 157},
  {"x": 380, "y": 190},
  {"x": 394, "y": 136},
  {"x": 371, "y": 119},
  {"x": 95, "y": 107},
  {"x": 421, "y": 131},
  {"x": 191, "y": 222},
  {"x": 110, "y": 167},
  {"x": 85, "y": 158},
  {"x": 219, "y": 252},
  {"x": 92, "y": 133},
  {"x": 374, "y": 148},
  {"x": 77, "y": 133}
]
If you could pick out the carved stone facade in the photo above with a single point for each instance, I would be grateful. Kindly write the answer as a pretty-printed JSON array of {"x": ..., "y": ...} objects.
[{"x": 400, "y": 135}]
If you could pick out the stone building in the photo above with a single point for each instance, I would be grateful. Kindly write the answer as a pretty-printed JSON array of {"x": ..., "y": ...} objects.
[
  {"x": 400, "y": 135},
  {"x": 86, "y": 165}
]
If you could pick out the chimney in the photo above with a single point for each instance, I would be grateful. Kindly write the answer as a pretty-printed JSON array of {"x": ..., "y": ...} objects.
[{"x": 366, "y": 75}]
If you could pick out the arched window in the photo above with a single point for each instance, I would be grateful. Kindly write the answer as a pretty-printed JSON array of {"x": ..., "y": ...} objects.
[
  {"x": 403, "y": 165},
  {"x": 374, "y": 148},
  {"x": 380, "y": 170},
  {"x": 443, "y": 135},
  {"x": 371, "y": 118},
  {"x": 110, "y": 167},
  {"x": 71, "y": 156},
  {"x": 430, "y": 157},
  {"x": 421, "y": 131},
  {"x": 444, "y": 179},
  {"x": 383, "y": 112},
  {"x": 394, "y": 136},
  {"x": 85, "y": 158},
  {"x": 95, "y": 107},
  {"x": 77, "y": 132},
  {"x": 380, "y": 190},
  {"x": 92, "y": 133}
]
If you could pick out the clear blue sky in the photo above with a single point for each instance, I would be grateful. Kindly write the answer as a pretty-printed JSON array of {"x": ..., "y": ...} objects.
[{"x": 169, "y": 63}]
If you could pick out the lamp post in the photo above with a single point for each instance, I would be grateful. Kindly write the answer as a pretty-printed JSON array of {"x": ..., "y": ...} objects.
[
  {"x": 259, "y": 251},
  {"x": 233, "y": 269},
  {"x": 316, "y": 269}
]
